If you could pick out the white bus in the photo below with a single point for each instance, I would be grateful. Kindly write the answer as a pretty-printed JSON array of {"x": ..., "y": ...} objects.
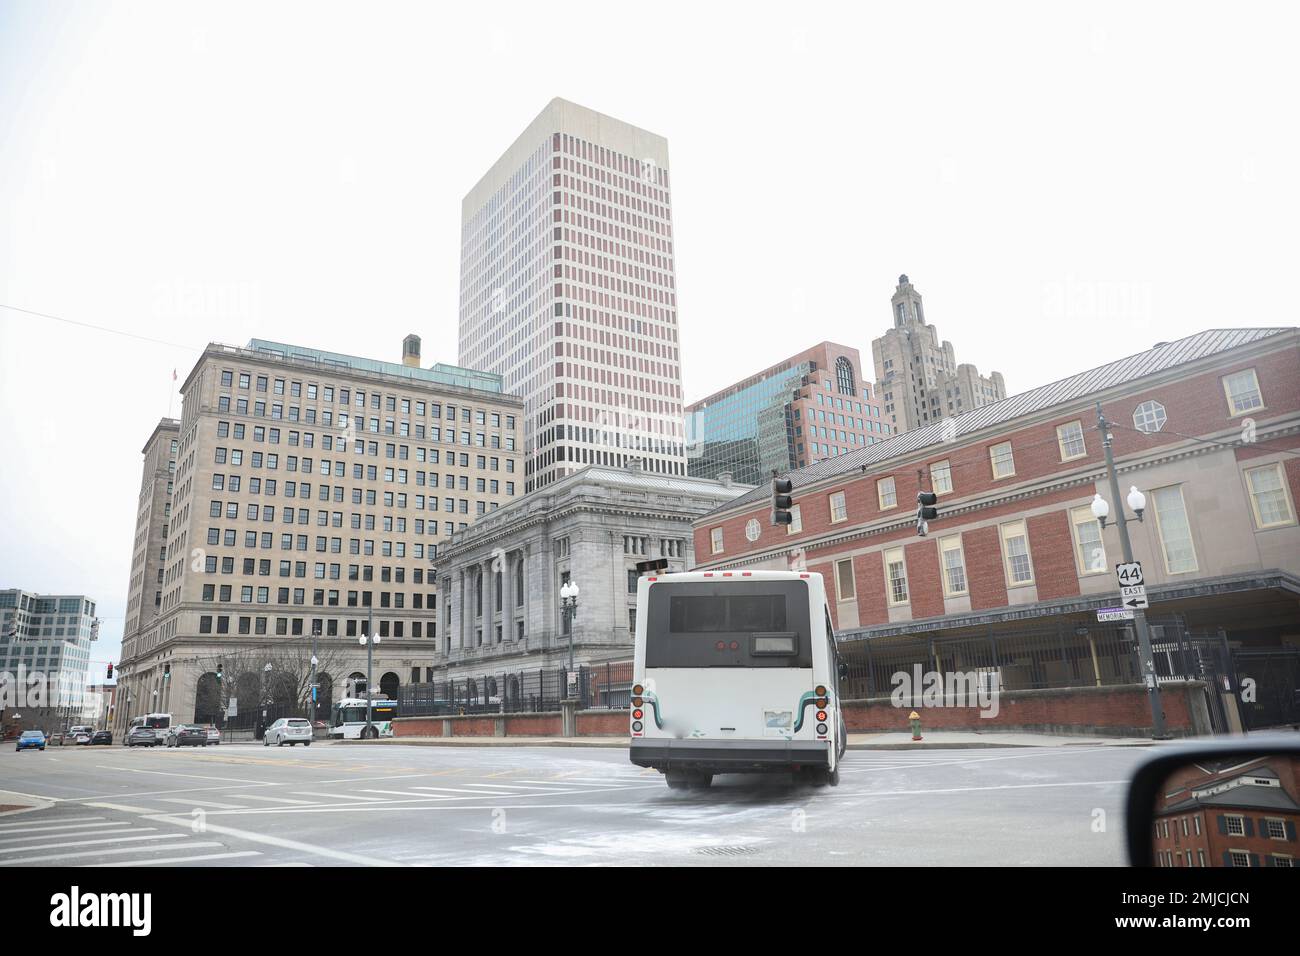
[
  {"x": 156, "y": 721},
  {"x": 348, "y": 718},
  {"x": 735, "y": 672}
]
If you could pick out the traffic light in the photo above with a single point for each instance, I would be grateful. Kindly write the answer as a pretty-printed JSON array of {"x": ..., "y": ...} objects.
[
  {"x": 782, "y": 501},
  {"x": 110, "y": 670},
  {"x": 925, "y": 510},
  {"x": 218, "y": 670}
]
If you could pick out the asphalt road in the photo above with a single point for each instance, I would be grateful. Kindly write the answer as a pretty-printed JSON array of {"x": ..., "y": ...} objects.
[{"x": 333, "y": 804}]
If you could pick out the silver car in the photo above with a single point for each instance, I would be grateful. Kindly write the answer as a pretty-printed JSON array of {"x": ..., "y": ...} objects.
[{"x": 288, "y": 730}]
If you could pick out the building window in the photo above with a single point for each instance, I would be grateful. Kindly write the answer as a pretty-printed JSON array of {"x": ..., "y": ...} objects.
[
  {"x": 1174, "y": 529},
  {"x": 953, "y": 562},
  {"x": 1242, "y": 389},
  {"x": 1276, "y": 828},
  {"x": 1070, "y": 439},
  {"x": 1149, "y": 417},
  {"x": 896, "y": 576},
  {"x": 1004, "y": 463},
  {"x": 941, "y": 477},
  {"x": 839, "y": 511},
  {"x": 1236, "y": 825},
  {"x": 844, "y": 584},
  {"x": 885, "y": 493},
  {"x": 1268, "y": 496},
  {"x": 1015, "y": 554},
  {"x": 796, "y": 521},
  {"x": 1089, "y": 548},
  {"x": 715, "y": 540},
  {"x": 844, "y": 376}
]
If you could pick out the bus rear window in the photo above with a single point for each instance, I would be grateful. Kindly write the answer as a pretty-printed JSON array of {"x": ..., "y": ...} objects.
[
  {"x": 732, "y": 624},
  {"x": 704, "y": 614}
]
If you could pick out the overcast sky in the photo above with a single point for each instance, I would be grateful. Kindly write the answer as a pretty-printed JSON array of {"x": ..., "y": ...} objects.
[{"x": 1064, "y": 187}]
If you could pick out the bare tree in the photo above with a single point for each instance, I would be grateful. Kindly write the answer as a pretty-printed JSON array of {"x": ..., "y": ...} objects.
[{"x": 246, "y": 678}]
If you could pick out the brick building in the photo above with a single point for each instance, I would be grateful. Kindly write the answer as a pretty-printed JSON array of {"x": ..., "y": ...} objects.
[
  {"x": 1207, "y": 427},
  {"x": 1230, "y": 812}
]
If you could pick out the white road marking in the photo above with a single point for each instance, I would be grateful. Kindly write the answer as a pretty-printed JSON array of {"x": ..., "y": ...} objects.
[
  {"x": 19, "y": 826},
  {"x": 251, "y": 796},
  {"x": 1012, "y": 786},
  {"x": 334, "y": 796},
  {"x": 190, "y": 776},
  {"x": 68, "y": 826},
  {"x": 476, "y": 793},
  {"x": 130, "y": 849},
  {"x": 340, "y": 855},
  {"x": 60, "y": 846},
  {"x": 123, "y": 807},
  {"x": 203, "y": 803},
  {"x": 87, "y": 830},
  {"x": 169, "y": 860}
]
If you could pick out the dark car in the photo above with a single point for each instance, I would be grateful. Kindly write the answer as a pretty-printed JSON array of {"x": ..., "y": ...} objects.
[
  {"x": 142, "y": 737},
  {"x": 102, "y": 737},
  {"x": 187, "y": 735}
]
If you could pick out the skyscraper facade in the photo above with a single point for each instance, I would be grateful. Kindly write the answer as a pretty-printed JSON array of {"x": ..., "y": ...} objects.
[
  {"x": 918, "y": 377},
  {"x": 810, "y": 406},
  {"x": 568, "y": 292}
]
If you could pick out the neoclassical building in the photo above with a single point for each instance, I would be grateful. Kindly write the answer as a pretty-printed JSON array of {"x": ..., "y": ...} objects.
[{"x": 499, "y": 579}]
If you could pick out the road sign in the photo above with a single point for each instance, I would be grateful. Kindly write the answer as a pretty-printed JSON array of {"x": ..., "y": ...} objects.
[
  {"x": 1134, "y": 597},
  {"x": 1129, "y": 574},
  {"x": 1114, "y": 614},
  {"x": 232, "y": 708}
]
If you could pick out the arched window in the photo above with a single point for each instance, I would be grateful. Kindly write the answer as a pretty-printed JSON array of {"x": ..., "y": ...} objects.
[{"x": 844, "y": 376}]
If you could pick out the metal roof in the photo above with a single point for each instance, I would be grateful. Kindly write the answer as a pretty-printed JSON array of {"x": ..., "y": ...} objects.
[{"x": 1125, "y": 370}]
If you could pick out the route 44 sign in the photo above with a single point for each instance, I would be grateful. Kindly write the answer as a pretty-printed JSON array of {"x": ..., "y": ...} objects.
[{"x": 1130, "y": 574}]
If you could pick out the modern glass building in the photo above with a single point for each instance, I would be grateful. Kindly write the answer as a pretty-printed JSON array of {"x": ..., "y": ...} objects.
[{"x": 811, "y": 406}]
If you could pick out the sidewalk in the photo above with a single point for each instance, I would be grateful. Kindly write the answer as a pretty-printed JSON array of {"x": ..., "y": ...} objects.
[{"x": 937, "y": 740}]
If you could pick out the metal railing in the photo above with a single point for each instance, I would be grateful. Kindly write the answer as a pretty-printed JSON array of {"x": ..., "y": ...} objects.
[{"x": 536, "y": 690}]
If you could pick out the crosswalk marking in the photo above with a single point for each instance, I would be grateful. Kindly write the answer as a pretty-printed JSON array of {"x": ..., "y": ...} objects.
[
  {"x": 89, "y": 830},
  {"x": 61, "y": 846},
  {"x": 24, "y": 825},
  {"x": 188, "y": 802},
  {"x": 131, "y": 849},
  {"x": 336, "y": 796},
  {"x": 169, "y": 860},
  {"x": 69, "y": 826},
  {"x": 252, "y": 796},
  {"x": 476, "y": 793}
]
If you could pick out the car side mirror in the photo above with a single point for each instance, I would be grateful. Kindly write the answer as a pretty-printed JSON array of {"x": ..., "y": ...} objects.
[{"x": 1231, "y": 803}]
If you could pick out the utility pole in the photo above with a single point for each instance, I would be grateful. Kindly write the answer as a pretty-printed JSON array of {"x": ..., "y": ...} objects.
[{"x": 1158, "y": 730}]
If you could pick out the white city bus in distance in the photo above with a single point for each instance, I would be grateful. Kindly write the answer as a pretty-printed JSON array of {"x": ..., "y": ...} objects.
[
  {"x": 156, "y": 721},
  {"x": 735, "y": 672},
  {"x": 348, "y": 718}
]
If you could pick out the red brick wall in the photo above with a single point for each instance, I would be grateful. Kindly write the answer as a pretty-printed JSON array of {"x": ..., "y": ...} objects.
[
  {"x": 984, "y": 574},
  {"x": 602, "y": 723},
  {"x": 533, "y": 725},
  {"x": 591, "y": 723},
  {"x": 1119, "y": 709},
  {"x": 869, "y": 570},
  {"x": 1051, "y": 546},
  {"x": 923, "y": 584}
]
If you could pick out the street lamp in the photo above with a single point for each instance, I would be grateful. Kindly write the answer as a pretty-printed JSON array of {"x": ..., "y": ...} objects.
[
  {"x": 368, "y": 640},
  {"x": 266, "y": 671},
  {"x": 1100, "y": 510},
  {"x": 315, "y": 635},
  {"x": 569, "y": 608}
]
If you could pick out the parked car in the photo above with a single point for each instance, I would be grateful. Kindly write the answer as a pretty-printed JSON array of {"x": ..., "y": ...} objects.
[
  {"x": 104, "y": 737},
  {"x": 31, "y": 740},
  {"x": 142, "y": 737},
  {"x": 214, "y": 735},
  {"x": 186, "y": 735},
  {"x": 288, "y": 730},
  {"x": 55, "y": 739}
]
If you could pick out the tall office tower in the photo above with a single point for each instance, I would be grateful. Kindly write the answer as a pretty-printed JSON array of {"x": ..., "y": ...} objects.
[
  {"x": 919, "y": 379},
  {"x": 304, "y": 493},
  {"x": 153, "y": 511},
  {"x": 48, "y": 634},
  {"x": 568, "y": 291},
  {"x": 811, "y": 406}
]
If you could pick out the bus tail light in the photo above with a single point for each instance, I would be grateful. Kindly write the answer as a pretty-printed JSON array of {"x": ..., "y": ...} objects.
[
  {"x": 636, "y": 714},
  {"x": 638, "y": 690},
  {"x": 820, "y": 690},
  {"x": 636, "y": 726},
  {"x": 821, "y": 715}
]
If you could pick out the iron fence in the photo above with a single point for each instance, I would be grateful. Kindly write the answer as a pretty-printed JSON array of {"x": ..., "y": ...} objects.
[{"x": 606, "y": 685}]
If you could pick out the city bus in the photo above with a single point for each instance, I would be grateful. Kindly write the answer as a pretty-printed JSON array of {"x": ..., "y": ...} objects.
[
  {"x": 736, "y": 672},
  {"x": 156, "y": 721},
  {"x": 348, "y": 718}
]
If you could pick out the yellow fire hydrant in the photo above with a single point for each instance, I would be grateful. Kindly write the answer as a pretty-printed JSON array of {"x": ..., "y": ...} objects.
[{"x": 915, "y": 720}]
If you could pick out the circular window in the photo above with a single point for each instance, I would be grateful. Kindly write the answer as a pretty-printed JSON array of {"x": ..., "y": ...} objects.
[
  {"x": 1149, "y": 417},
  {"x": 753, "y": 529}
]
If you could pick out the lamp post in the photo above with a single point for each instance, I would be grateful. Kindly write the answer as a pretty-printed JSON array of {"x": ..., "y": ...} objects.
[
  {"x": 315, "y": 635},
  {"x": 1101, "y": 510},
  {"x": 569, "y": 608},
  {"x": 368, "y": 640},
  {"x": 266, "y": 671}
]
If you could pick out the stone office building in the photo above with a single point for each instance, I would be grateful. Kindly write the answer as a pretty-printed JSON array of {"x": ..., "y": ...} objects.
[{"x": 590, "y": 529}]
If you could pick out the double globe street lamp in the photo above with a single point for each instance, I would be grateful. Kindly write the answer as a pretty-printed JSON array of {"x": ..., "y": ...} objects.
[{"x": 569, "y": 608}]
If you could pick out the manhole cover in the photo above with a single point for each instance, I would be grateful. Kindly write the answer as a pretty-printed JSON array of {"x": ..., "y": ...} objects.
[{"x": 725, "y": 850}]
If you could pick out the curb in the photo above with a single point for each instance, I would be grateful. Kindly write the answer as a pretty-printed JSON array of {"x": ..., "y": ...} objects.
[{"x": 622, "y": 743}]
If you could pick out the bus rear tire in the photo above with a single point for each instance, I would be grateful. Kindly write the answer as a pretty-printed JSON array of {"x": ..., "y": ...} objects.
[
  {"x": 675, "y": 780},
  {"x": 700, "y": 781},
  {"x": 833, "y": 778}
]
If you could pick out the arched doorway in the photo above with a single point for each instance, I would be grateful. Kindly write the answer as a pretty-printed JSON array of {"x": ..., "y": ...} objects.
[
  {"x": 389, "y": 685},
  {"x": 356, "y": 684},
  {"x": 207, "y": 700},
  {"x": 324, "y": 695}
]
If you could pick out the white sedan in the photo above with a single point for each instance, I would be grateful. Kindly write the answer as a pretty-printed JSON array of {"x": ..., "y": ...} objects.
[{"x": 288, "y": 730}]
